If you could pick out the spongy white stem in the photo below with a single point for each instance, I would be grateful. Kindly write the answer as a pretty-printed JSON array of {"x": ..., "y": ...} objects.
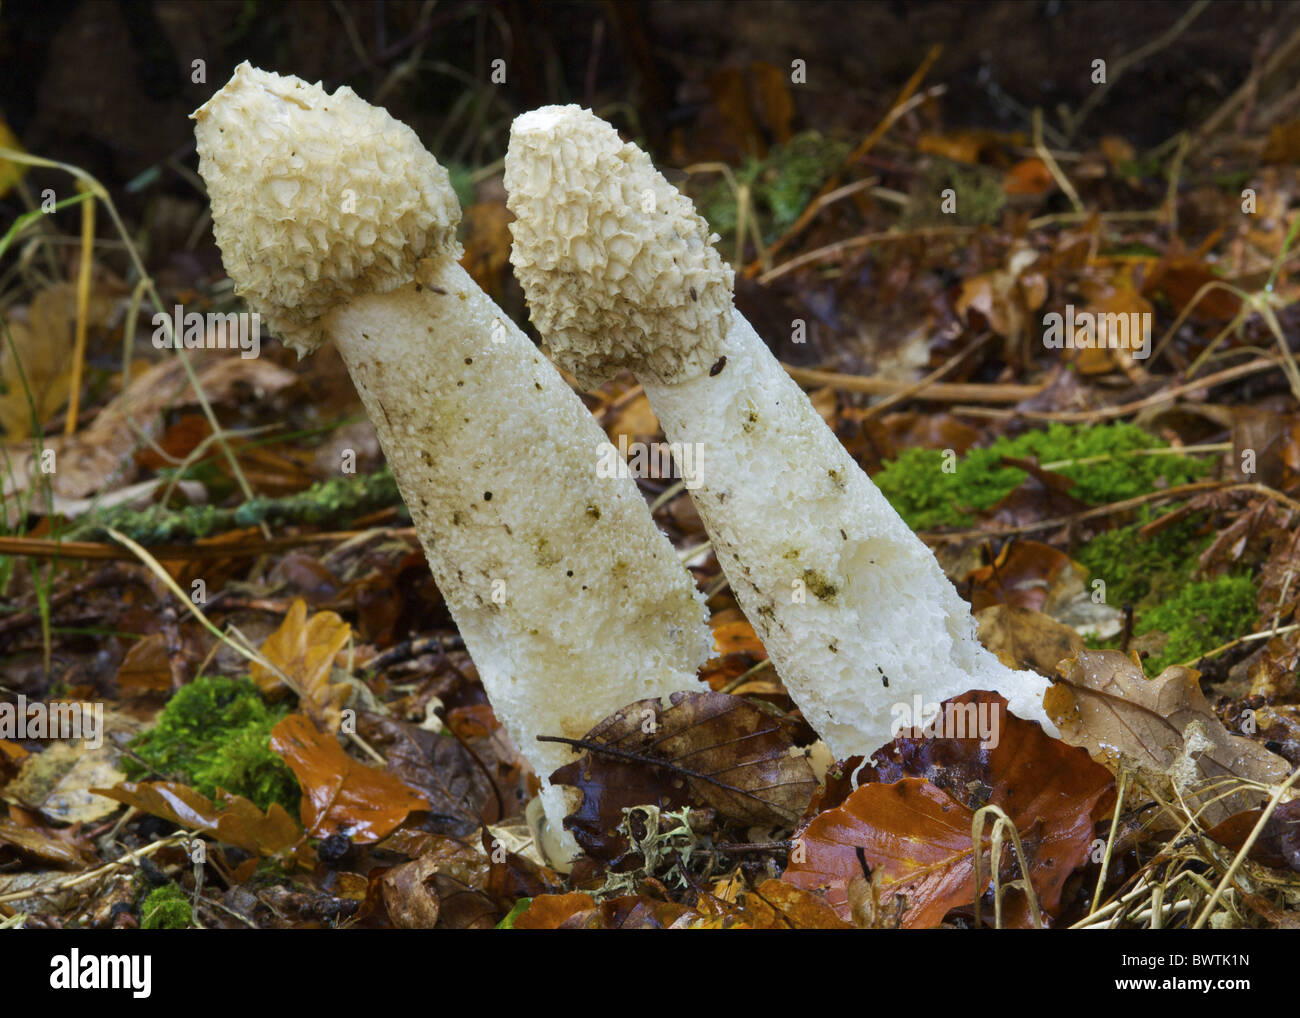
[
  {"x": 852, "y": 607},
  {"x": 570, "y": 601}
]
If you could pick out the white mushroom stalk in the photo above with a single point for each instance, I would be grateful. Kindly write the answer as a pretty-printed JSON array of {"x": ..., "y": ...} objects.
[
  {"x": 620, "y": 272},
  {"x": 336, "y": 224}
]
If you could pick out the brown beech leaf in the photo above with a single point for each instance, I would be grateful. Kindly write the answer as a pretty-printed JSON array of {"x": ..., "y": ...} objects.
[
  {"x": 146, "y": 667},
  {"x": 706, "y": 749},
  {"x": 304, "y": 649},
  {"x": 548, "y": 911},
  {"x": 1022, "y": 638},
  {"x": 232, "y": 820},
  {"x": 630, "y": 913},
  {"x": 338, "y": 792},
  {"x": 1053, "y": 793},
  {"x": 1023, "y": 574},
  {"x": 777, "y": 905},
  {"x": 53, "y": 846},
  {"x": 1041, "y": 495},
  {"x": 916, "y": 834},
  {"x": 1163, "y": 728},
  {"x": 1278, "y": 844}
]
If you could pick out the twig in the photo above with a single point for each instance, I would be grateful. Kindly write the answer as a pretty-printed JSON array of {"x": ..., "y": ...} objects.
[
  {"x": 1117, "y": 68},
  {"x": 83, "y": 308},
  {"x": 867, "y": 144},
  {"x": 67, "y": 883},
  {"x": 37, "y": 547},
  {"x": 942, "y": 392},
  {"x": 863, "y": 240},
  {"x": 1124, "y": 409},
  {"x": 928, "y": 381}
]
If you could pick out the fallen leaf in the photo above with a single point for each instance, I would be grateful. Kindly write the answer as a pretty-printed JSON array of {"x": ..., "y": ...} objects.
[
  {"x": 340, "y": 794},
  {"x": 1278, "y": 844},
  {"x": 304, "y": 649},
  {"x": 1163, "y": 728},
  {"x": 438, "y": 765},
  {"x": 1022, "y": 638},
  {"x": 913, "y": 832},
  {"x": 1028, "y": 177},
  {"x": 146, "y": 668},
  {"x": 53, "y": 847},
  {"x": 548, "y": 911},
  {"x": 777, "y": 905},
  {"x": 485, "y": 232},
  {"x": 60, "y": 780},
  {"x": 912, "y": 813},
  {"x": 231, "y": 820},
  {"x": 706, "y": 749}
]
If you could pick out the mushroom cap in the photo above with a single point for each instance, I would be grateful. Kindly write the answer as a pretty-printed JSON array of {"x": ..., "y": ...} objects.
[
  {"x": 317, "y": 198},
  {"x": 618, "y": 267}
]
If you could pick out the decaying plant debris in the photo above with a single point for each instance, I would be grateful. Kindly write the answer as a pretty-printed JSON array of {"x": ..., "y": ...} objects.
[{"x": 206, "y": 554}]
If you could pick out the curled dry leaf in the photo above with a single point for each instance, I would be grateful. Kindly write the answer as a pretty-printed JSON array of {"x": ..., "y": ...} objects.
[
  {"x": 911, "y": 815},
  {"x": 704, "y": 749},
  {"x": 55, "y": 847},
  {"x": 304, "y": 649},
  {"x": 413, "y": 892},
  {"x": 1162, "y": 728},
  {"x": 340, "y": 794}
]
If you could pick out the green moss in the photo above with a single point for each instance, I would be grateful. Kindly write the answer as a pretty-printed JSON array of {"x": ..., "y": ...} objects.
[
  {"x": 977, "y": 192},
  {"x": 781, "y": 185},
  {"x": 166, "y": 908},
  {"x": 216, "y": 733},
  {"x": 1139, "y": 569},
  {"x": 1199, "y": 618},
  {"x": 1098, "y": 458}
]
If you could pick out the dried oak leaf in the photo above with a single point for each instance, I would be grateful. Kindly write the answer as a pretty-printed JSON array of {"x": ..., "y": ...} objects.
[
  {"x": 232, "y": 820},
  {"x": 914, "y": 817},
  {"x": 304, "y": 649},
  {"x": 340, "y": 794},
  {"x": 704, "y": 749},
  {"x": 1162, "y": 728}
]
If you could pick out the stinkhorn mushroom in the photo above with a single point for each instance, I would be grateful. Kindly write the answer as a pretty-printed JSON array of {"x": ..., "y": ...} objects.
[
  {"x": 620, "y": 272},
  {"x": 335, "y": 223}
]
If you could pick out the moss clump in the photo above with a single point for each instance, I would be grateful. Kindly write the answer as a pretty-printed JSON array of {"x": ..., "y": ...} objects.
[
  {"x": 216, "y": 733},
  {"x": 1098, "y": 458},
  {"x": 1138, "y": 569},
  {"x": 977, "y": 191},
  {"x": 166, "y": 908},
  {"x": 1199, "y": 618},
  {"x": 781, "y": 185}
]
